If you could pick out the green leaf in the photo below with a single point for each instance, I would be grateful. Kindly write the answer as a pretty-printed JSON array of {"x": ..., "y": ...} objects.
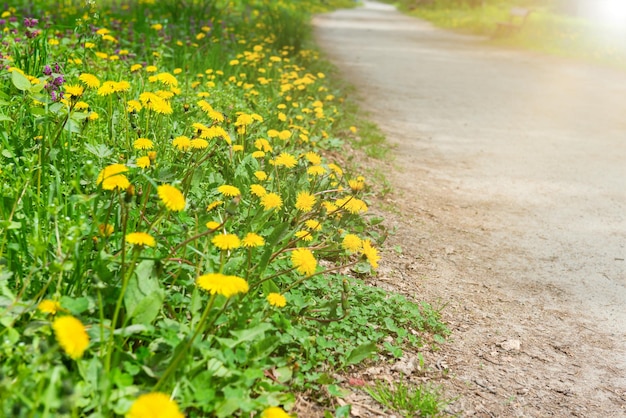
[
  {"x": 343, "y": 411},
  {"x": 283, "y": 374},
  {"x": 250, "y": 334},
  {"x": 144, "y": 297},
  {"x": 336, "y": 390},
  {"x": 273, "y": 239},
  {"x": 4, "y": 118},
  {"x": 20, "y": 82},
  {"x": 269, "y": 286},
  {"x": 75, "y": 306},
  {"x": 131, "y": 329},
  {"x": 100, "y": 150},
  {"x": 361, "y": 353}
]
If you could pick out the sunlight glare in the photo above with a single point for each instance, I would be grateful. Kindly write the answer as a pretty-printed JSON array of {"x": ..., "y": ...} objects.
[{"x": 608, "y": 12}]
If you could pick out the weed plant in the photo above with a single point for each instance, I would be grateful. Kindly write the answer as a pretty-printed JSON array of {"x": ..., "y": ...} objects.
[
  {"x": 170, "y": 231},
  {"x": 407, "y": 400}
]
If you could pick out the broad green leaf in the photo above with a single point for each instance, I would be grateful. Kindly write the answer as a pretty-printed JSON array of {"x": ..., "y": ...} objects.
[
  {"x": 360, "y": 353},
  {"x": 36, "y": 88},
  {"x": 251, "y": 333},
  {"x": 4, "y": 118},
  {"x": 19, "y": 81},
  {"x": 75, "y": 305},
  {"x": 144, "y": 297},
  {"x": 100, "y": 150}
]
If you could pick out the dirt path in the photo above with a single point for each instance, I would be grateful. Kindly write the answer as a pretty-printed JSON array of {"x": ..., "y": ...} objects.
[{"x": 510, "y": 185}]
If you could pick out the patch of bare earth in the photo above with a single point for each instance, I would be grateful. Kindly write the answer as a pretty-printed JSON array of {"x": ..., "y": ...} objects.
[{"x": 509, "y": 353}]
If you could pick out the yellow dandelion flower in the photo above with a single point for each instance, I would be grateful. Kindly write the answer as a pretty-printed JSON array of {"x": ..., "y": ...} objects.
[
  {"x": 316, "y": 170},
  {"x": 284, "y": 135},
  {"x": 199, "y": 143},
  {"x": 258, "y": 154},
  {"x": 213, "y": 205},
  {"x": 313, "y": 158},
  {"x": 93, "y": 116},
  {"x": 273, "y": 133},
  {"x": 352, "y": 205},
  {"x": 216, "y": 116},
  {"x": 154, "y": 405},
  {"x": 336, "y": 169},
  {"x": 260, "y": 175},
  {"x": 277, "y": 300},
  {"x": 89, "y": 80},
  {"x": 304, "y": 235},
  {"x": 81, "y": 106},
  {"x": 252, "y": 240},
  {"x": 212, "y": 225},
  {"x": 121, "y": 86},
  {"x": 244, "y": 119},
  {"x": 167, "y": 79},
  {"x": 157, "y": 26},
  {"x": 164, "y": 94},
  {"x": 182, "y": 143},
  {"x": 140, "y": 238},
  {"x": 286, "y": 160},
  {"x": 143, "y": 162},
  {"x": 143, "y": 143},
  {"x": 258, "y": 190},
  {"x": 313, "y": 225},
  {"x": 218, "y": 283},
  {"x": 230, "y": 191},
  {"x": 71, "y": 335},
  {"x": 48, "y": 306},
  {"x": 226, "y": 241},
  {"x": 271, "y": 201},
  {"x": 171, "y": 197},
  {"x": 263, "y": 144},
  {"x": 303, "y": 261},
  {"x": 73, "y": 90},
  {"x": 111, "y": 177},
  {"x": 305, "y": 201},
  {"x": 352, "y": 243},
  {"x": 356, "y": 184},
  {"x": 274, "y": 411},
  {"x": 205, "y": 106},
  {"x": 370, "y": 253},
  {"x": 107, "y": 88},
  {"x": 151, "y": 69},
  {"x": 162, "y": 107},
  {"x": 330, "y": 207},
  {"x": 135, "y": 67},
  {"x": 133, "y": 106}
]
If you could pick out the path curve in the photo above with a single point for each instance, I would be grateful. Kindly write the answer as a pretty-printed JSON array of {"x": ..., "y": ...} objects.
[{"x": 526, "y": 153}]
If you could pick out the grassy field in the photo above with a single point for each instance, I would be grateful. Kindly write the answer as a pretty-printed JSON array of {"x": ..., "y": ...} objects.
[{"x": 171, "y": 230}]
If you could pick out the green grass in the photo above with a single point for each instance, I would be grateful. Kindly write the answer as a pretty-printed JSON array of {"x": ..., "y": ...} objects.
[{"x": 407, "y": 399}]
